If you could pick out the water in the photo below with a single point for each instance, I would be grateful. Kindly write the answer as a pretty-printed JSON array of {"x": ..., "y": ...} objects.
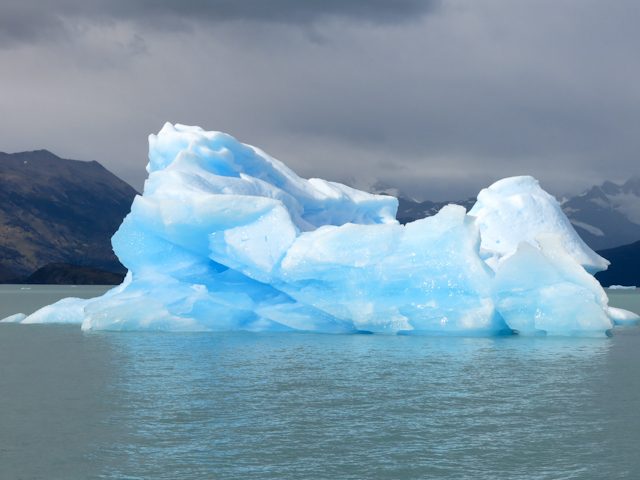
[{"x": 310, "y": 406}]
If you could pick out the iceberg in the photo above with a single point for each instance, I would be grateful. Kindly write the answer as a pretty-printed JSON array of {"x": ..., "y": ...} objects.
[{"x": 226, "y": 237}]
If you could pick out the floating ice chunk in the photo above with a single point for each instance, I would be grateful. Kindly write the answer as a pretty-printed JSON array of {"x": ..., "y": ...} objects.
[
  {"x": 516, "y": 209},
  {"x": 622, "y": 317},
  {"x": 67, "y": 310},
  {"x": 17, "y": 318},
  {"x": 227, "y": 238},
  {"x": 622, "y": 287},
  {"x": 544, "y": 291},
  {"x": 71, "y": 309}
]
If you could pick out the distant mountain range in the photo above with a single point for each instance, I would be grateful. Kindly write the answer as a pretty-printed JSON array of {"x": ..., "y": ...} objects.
[
  {"x": 410, "y": 210},
  {"x": 68, "y": 274},
  {"x": 624, "y": 268},
  {"x": 54, "y": 210},
  {"x": 605, "y": 216}
]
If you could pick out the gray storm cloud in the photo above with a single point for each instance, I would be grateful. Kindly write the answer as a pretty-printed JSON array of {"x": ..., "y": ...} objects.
[{"x": 35, "y": 20}]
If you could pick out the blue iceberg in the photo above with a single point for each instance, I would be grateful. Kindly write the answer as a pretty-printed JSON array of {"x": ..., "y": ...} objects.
[{"x": 226, "y": 237}]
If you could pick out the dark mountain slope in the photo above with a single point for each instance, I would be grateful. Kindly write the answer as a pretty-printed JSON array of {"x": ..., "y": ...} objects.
[
  {"x": 58, "y": 211},
  {"x": 67, "y": 274},
  {"x": 607, "y": 215},
  {"x": 410, "y": 210},
  {"x": 624, "y": 268},
  {"x": 7, "y": 276}
]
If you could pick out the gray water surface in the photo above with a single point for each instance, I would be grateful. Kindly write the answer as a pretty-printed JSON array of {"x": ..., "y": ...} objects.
[{"x": 312, "y": 406}]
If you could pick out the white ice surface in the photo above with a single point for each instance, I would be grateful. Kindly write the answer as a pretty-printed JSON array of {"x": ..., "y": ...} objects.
[
  {"x": 623, "y": 317},
  {"x": 517, "y": 209},
  {"x": 16, "y": 318}
]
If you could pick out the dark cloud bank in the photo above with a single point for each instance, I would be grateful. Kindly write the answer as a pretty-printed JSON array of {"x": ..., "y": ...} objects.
[{"x": 35, "y": 20}]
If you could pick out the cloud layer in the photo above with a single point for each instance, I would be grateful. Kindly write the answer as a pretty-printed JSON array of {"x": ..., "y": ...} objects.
[
  {"x": 439, "y": 99},
  {"x": 33, "y": 20}
]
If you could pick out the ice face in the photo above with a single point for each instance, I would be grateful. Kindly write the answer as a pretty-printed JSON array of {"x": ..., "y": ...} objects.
[
  {"x": 227, "y": 238},
  {"x": 424, "y": 277},
  {"x": 546, "y": 292},
  {"x": 517, "y": 209}
]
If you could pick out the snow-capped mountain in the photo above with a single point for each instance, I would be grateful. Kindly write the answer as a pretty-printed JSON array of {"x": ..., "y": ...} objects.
[
  {"x": 607, "y": 215},
  {"x": 624, "y": 268}
]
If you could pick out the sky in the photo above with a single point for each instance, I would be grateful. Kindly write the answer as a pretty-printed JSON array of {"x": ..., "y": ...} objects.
[{"x": 437, "y": 98}]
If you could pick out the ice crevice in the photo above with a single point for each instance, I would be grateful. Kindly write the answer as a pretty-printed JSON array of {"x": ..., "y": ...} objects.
[{"x": 226, "y": 237}]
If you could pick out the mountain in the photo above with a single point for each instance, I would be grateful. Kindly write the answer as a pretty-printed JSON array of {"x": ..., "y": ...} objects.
[
  {"x": 7, "y": 276},
  {"x": 410, "y": 210},
  {"x": 624, "y": 268},
  {"x": 607, "y": 215},
  {"x": 54, "y": 210},
  {"x": 68, "y": 274}
]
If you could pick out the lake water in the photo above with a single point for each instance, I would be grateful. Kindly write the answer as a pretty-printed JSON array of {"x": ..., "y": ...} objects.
[{"x": 311, "y": 406}]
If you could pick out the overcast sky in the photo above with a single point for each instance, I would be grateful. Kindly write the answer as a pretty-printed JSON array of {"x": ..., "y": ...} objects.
[{"x": 438, "y": 98}]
